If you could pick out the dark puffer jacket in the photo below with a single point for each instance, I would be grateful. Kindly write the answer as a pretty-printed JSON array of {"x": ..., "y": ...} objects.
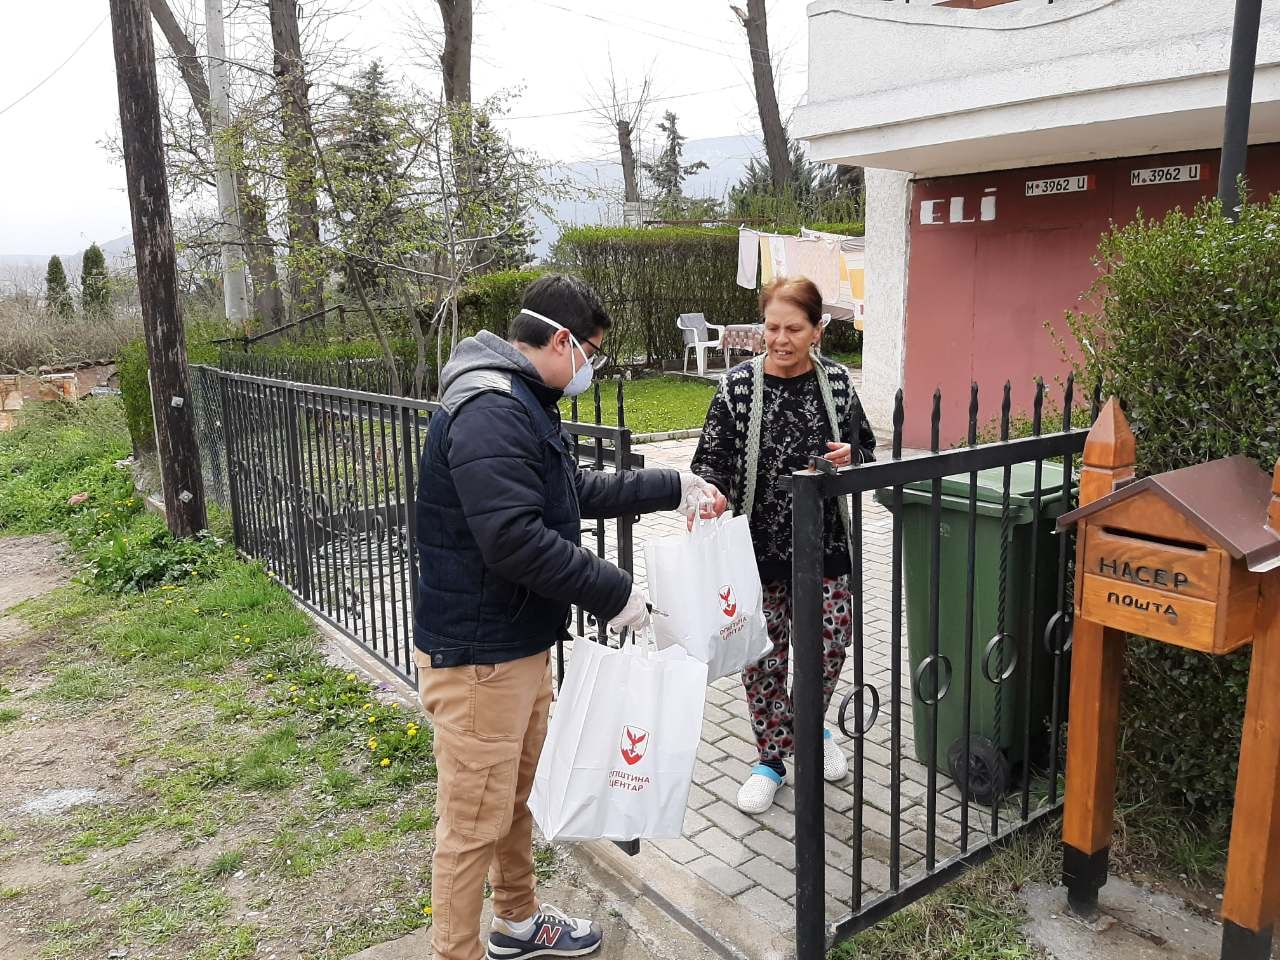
[{"x": 499, "y": 515}]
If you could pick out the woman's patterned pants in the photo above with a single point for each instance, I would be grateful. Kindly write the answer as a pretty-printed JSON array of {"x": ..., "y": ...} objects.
[{"x": 768, "y": 698}]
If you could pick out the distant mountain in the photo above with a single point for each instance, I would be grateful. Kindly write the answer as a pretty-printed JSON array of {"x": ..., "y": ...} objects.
[
  {"x": 726, "y": 159},
  {"x": 24, "y": 270},
  {"x": 599, "y": 185}
]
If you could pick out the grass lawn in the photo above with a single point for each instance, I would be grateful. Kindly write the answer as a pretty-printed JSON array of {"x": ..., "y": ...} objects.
[
  {"x": 653, "y": 404},
  {"x": 252, "y": 798}
]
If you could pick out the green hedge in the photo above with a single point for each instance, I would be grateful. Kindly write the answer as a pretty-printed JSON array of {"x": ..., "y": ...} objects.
[
  {"x": 647, "y": 276},
  {"x": 490, "y": 301},
  {"x": 1187, "y": 332},
  {"x": 132, "y": 366}
]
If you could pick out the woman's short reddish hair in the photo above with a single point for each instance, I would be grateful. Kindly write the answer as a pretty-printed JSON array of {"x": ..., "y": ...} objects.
[{"x": 800, "y": 292}]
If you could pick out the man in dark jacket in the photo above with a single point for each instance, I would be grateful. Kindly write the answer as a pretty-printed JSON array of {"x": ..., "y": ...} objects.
[{"x": 499, "y": 514}]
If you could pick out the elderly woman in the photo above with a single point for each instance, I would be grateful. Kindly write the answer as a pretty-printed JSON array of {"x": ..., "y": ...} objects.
[{"x": 769, "y": 417}]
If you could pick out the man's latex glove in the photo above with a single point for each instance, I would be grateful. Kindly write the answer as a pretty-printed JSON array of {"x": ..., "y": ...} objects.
[
  {"x": 635, "y": 615},
  {"x": 696, "y": 492}
]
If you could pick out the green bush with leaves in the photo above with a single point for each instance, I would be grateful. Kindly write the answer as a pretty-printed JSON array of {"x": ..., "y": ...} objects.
[
  {"x": 489, "y": 302},
  {"x": 646, "y": 277},
  {"x": 1186, "y": 330},
  {"x": 132, "y": 366}
]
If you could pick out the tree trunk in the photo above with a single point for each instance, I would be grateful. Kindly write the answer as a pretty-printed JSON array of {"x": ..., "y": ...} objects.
[
  {"x": 143, "y": 142},
  {"x": 306, "y": 282},
  {"x": 631, "y": 185},
  {"x": 268, "y": 298},
  {"x": 775, "y": 135},
  {"x": 259, "y": 249},
  {"x": 455, "y": 61}
]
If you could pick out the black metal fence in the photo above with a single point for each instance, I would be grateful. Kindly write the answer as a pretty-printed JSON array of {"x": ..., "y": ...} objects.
[
  {"x": 989, "y": 633},
  {"x": 368, "y": 374},
  {"x": 320, "y": 480}
]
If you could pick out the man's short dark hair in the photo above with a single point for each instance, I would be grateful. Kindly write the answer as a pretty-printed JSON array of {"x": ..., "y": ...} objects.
[{"x": 566, "y": 300}]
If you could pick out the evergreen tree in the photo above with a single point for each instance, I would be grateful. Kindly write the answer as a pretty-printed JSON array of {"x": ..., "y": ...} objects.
[
  {"x": 666, "y": 171},
  {"x": 371, "y": 176},
  {"x": 811, "y": 194},
  {"x": 57, "y": 297},
  {"x": 500, "y": 205},
  {"x": 95, "y": 291}
]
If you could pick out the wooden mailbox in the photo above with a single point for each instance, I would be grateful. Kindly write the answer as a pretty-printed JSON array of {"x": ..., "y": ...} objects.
[{"x": 1190, "y": 558}]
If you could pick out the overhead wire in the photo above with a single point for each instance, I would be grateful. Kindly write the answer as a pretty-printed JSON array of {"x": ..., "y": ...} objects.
[{"x": 58, "y": 68}]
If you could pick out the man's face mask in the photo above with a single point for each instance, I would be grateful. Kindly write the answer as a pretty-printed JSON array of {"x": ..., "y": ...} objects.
[{"x": 580, "y": 378}]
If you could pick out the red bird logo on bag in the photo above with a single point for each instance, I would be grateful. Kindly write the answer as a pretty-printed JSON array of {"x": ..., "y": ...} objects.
[
  {"x": 635, "y": 742},
  {"x": 728, "y": 602}
]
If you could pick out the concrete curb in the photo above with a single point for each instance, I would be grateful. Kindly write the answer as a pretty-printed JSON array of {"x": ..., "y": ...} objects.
[{"x": 667, "y": 435}]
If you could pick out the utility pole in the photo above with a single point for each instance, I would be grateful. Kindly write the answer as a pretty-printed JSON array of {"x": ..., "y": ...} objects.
[
  {"x": 234, "y": 292},
  {"x": 141, "y": 138},
  {"x": 1235, "y": 134}
]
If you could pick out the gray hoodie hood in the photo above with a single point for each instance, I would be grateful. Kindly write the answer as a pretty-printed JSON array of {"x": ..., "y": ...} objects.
[{"x": 481, "y": 364}]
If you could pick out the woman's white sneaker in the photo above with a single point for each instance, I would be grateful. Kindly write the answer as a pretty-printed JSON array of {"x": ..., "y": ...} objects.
[
  {"x": 835, "y": 765},
  {"x": 757, "y": 793}
]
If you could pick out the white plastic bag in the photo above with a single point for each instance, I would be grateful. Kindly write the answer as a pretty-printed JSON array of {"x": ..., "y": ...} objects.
[
  {"x": 706, "y": 586},
  {"x": 618, "y": 760}
]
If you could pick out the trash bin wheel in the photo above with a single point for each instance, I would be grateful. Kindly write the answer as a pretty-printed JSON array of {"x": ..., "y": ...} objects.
[{"x": 989, "y": 771}]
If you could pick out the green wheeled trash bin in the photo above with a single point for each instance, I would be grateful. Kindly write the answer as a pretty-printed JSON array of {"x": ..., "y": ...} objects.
[{"x": 1000, "y": 712}]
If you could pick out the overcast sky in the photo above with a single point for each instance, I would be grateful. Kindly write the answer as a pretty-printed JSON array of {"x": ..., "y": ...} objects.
[{"x": 59, "y": 189}]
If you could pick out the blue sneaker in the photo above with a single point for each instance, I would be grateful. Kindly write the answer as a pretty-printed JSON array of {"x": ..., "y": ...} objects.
[{"x": 549, "y": 934}]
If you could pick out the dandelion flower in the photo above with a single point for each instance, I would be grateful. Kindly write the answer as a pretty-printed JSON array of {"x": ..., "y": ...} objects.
[
  {"x": 293, "y": 689},
  {"x": 351, "y": 676},
  {"x": 386, "y": 762},
  {"x": 373, "y": 743},
  {"x": 373, "y": 718},
  {"x": 269, "y": 676},
  {"x": 426, "y": 911}
]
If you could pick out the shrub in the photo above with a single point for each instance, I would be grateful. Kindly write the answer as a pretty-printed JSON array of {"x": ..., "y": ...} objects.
[
  {"x": 646, "y": 277},
  {"x": 1185, "y": 329},
  {"x": 489, "y": 302},
  {"x": 30, "y": 335},
  {"x": 145, "y": 554},
  {"x": 132, "y": 366}
]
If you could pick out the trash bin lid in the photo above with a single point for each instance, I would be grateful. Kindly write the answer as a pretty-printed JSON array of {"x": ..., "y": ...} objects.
[
  {"x": 990, "y": 489},
  {"x": 1022, "y": 484}
]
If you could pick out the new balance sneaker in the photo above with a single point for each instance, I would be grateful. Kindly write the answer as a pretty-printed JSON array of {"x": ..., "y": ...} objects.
[
  {"x": 757, "y": 793},
  {"x": 549, "y": 934},
  {"x": 835, "y": 765}
]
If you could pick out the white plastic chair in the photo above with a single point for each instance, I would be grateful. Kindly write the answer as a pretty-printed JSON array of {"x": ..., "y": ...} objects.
[{"x": 698, "y": 337}]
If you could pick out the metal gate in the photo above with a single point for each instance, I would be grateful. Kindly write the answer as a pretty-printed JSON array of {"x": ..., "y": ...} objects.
[
  {"x": 936, "y": 815},
  {"x": 319, "y": 480}
]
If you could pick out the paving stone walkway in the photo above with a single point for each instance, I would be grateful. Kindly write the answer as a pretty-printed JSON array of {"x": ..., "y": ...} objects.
[{"x": 752, "y": 859}]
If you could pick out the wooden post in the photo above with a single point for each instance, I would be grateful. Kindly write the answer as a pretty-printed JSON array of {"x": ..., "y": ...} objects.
[
  {"x": 1097, "y": 669},
  {"x": 1251, "y": 903},
  {"x": 157, "y": 275}
]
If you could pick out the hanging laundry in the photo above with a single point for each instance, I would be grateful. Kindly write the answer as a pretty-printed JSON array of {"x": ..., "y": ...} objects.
[{"x": 748, "y": 258}]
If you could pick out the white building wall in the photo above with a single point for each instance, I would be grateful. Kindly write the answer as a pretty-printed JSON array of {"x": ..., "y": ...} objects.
[
  {"x": 937, "y": 90},
  {"x": 916, "y": 90},
  {"x": 884, "y": 340}
]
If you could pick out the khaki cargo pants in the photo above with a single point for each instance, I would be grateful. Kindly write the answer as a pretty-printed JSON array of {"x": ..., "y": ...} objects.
[{"x": 490, "y": 721}]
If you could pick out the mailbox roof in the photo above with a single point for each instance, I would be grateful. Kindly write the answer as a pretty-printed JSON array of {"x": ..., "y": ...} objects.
[{"x": 1226, "y": 498}]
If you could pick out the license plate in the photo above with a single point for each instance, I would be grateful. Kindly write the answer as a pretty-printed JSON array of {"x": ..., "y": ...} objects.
[
  {"x": 1044, "y": 188},
  {"x": 1156, "y": 175}
]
